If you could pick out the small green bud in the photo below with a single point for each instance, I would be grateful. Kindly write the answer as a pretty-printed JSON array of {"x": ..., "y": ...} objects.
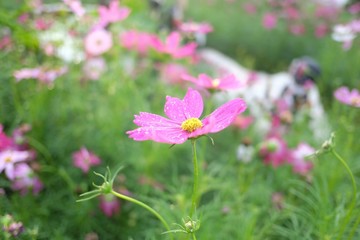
[{"x": 192, "y": 226}]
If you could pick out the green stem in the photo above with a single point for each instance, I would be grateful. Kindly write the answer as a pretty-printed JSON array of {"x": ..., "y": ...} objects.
[
  {"x": 196, "y": 179},
  {"x": 353, "y": 201},
  {"x": 150, "y": 209},
  {"x": 193, "y": 236}
]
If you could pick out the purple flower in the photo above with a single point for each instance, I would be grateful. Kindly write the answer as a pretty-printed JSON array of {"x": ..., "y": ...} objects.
[
  {"x": 25, "y": 180},
  {"x": 84, "y": 159},
  {"x": 184, "y": 122}
]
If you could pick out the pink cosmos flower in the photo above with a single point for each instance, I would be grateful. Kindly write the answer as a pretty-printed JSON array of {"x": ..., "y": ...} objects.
[
  {"x": 113, "y": 13},
  {"x": 98, "y": 42},
  {"x": 192, "y": 27},
  {"x": 274, "y": 151},
  {"x": 354, "y": 8},
  {"x": 172, "y": 46},
  {"x": 9, "y": 158},
  {"x": 228, "y": 82},
  {"x": 5, "y": 41},
  {"x": 25, "y": 180},
  {"x": 297, "y": 158},
  {"x": 184, "y": 122},
  {"x": 109, "y": 205},
  {"x": 84, "y": 159},
  {"x": 76, "y": 7},
  {"x": 269, "y": 21},
  {"x": 138, "y": 41},
  {"x": 344, "y": 95}
]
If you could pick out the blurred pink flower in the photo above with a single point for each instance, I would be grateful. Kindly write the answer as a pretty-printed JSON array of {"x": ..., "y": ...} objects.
[
  {"x": 274, "y": 151},
  {"x": 172, "y": 73},
  {"x": 9, "y": 158},
  {"x": 25, "y": 180},
  {"x": 47, "y": 76},
  {"x": 98, "y": 42},
  {"x": 5, "y": 141},
  {"x": 354, "y": 8},
  {"x": 109, "y": 205},
  {"x": 193, "y": 27},
  {"x": 184, "y": 122},
  {"x": 41, "y": 24},
  {"x": 138, "y": 41},
  {"x": 297, "y": 158},
  {"x": 76, "y": 7},
  {"x": 292, "y": 13},
  {"x": 243, "y": 122},
  {"x": 94, "y": 68},
  {"x": 84, "y": 159},
  {"x": 5, "y": 41},
  {"x": 344, "y": 95},
  {"x": 250, "y": 8},
  {"x": 172, "y": 46},
  {"x": 321, "y": 30},
  {"x": 269, "y": 21},
  {"x": 228, "y": 82},
  {"x": 297, "y": 29},
  {"x": 113, "y": 13}
]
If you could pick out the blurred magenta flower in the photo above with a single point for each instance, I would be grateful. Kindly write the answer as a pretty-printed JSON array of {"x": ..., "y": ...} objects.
[
  {"x": 297, "y": 158},
  {"x": 269, "y": 21},
  {"x": 26, "y": 180},
  {"x": 114, "y": 13},
  {"x": 243, "y": 122},
  {"x": 172, "y": 46},
  {"x": 98, "y": 42},
  {"x": 109, "y": 205},
  {"x": 321, "y": 30},
  {"x": 5, "y": 141},
  {"x": 228, "y": 82},
  {"x": 76, "y": 7},
  {"x": 8, "y": 159},
  {"x": 84, "y": 159},
  {"x": 344, "y": 95},
  {"x": 184, "y": 122},
  {"x": 274, "y": 151}
]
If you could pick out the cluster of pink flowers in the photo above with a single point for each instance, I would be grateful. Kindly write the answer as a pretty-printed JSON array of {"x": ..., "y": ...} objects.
[
  {"x": 16, "y": 159},
  {"x": 143, "y": 42},
  {"x": 296, "y": 15},
  {"x": 274, "y": 151},
  {"x": 47, "y": 76}
]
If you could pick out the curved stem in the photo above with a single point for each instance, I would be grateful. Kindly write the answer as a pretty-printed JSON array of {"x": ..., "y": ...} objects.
[
  {"x": 150, "y": 209},
  {"x": 353, "y": 201},
  {"x": 196, "y": 179}
]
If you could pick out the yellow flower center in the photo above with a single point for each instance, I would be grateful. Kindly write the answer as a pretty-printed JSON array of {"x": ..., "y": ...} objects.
[
  {"x": 215, "y": 82},
  {"x": 191, "y": 124},
  {"x": 8, "y": 159}
]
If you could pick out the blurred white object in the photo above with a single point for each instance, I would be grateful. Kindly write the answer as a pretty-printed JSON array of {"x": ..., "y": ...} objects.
[
  {"x": 343, "y": 33},
  {"x": 336, "y": 3},
  {"x": 263, "y": 90}
]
